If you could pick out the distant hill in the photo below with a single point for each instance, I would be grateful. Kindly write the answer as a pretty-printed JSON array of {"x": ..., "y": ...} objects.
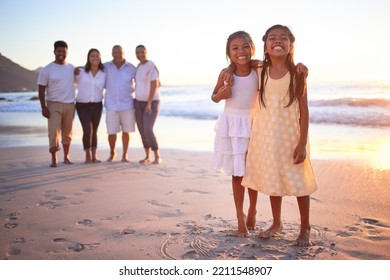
[{"x": 13, "y": 77}]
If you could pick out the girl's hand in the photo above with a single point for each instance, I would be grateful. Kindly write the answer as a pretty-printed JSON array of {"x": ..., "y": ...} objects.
[
  {"x": 227, "y": 76},
  {"x": 299, "y": 154},
  {"x": 301, "y": 68},
  {"x": 224, "y": 92}
]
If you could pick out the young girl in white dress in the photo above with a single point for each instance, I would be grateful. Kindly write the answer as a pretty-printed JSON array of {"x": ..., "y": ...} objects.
[{"x": 233, "y": 127}]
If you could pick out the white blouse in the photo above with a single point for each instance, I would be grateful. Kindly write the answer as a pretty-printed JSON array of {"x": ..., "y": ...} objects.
[
  {"x": 90, "y": 88},
  {"x": 145, "y": 74}
]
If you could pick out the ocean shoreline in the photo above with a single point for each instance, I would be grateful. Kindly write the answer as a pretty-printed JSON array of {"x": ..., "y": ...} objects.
[{"x": 327, "y": 141}]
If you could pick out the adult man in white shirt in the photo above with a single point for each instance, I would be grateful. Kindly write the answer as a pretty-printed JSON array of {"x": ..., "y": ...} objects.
[
  {"x": 119, "y": 99},
  {"x": 57, "y": 96}
]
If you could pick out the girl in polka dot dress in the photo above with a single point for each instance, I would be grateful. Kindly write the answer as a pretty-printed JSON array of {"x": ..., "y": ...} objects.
[{"x": 278, "y": 161}]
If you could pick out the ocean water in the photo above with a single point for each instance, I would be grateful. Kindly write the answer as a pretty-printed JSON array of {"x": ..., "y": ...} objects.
[{"x": 355, "y": 104}]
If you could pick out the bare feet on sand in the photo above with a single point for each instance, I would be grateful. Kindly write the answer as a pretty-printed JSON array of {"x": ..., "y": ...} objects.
[
  {"x": 149, "y": 160},
  {"x": 67, "y": 161},
  {"x": 54, "y": 159},
  {"x": 251, "y": 220},
  {"x": 274, "y": 229},
  {"x": 88, "y": 157},
  {"x": 242, "y": 230},
  {"x": 145, "y": 160},
  {"x": 125, "y": 159},
  {"x": 112, "y": 157},
  {"x": 303, "y": 239}
]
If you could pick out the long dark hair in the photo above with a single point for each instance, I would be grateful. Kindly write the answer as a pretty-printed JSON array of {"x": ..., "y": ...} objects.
[
  {"x": 297, "y": 87},
  {"x": 88, "y": 64}
]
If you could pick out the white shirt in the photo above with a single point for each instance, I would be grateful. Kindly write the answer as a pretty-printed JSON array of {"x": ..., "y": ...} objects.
[
  {"x": 90, "y": 88},
  {"x": 59, "y": 82},
  {"x": 145, "y": 74},
  {"x": 119, "y": 86}
]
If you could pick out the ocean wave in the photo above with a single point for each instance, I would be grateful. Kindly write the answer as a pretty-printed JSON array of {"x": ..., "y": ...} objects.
[
  {"x": 369, "y": 109},
  {"x": 352, "y": 102}
]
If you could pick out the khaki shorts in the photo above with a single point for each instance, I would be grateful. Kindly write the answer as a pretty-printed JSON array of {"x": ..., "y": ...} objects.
[
  {"x": 60, "y": 122},
  {"x": 118, "y": 121}
]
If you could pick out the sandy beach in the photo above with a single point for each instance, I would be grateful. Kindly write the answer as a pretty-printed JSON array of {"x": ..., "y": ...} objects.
[{"x": 179, "y": 210}]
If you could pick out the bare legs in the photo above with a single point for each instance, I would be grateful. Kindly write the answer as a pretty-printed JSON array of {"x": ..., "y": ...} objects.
[
  {"x": 244, "y": 222},
  {"x": 277, "y": 226},
  {"x": 125, "y": 145},
  {"x": 304, "y": 209}
]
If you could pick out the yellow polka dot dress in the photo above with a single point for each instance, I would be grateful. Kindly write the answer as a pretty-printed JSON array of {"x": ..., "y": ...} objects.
[{"x": 275, "y": 134}]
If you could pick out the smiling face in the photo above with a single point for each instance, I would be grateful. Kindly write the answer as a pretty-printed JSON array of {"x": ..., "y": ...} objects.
[
  {"x": 60, "y": 54},
  {"x": 240, "y": 51},
  {"x": 118, "y": 54},
  {"x": 141, "y": 54},
  {"x": 94, "y": 58},
  {"x": 278, "y": 43}
]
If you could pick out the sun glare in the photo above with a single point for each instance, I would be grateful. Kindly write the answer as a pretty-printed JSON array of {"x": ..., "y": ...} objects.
[{"x": 381, "y": 159}]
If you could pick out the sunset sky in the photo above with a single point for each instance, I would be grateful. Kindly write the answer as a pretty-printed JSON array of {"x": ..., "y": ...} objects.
[{"x": 347, "y": 40}]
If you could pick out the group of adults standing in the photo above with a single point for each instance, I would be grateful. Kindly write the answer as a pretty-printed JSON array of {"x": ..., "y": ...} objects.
[{"x": 130, "y": 94}]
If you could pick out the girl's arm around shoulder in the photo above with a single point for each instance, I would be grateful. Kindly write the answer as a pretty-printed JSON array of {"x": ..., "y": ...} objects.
[
  {"x": 256, "y": 63},
  {"x": 301, "y": 68},
  {"x": 221, "y": 90}
]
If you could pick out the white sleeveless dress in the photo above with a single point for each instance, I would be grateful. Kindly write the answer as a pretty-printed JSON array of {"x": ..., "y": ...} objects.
[{"x": 234, "y": 125}]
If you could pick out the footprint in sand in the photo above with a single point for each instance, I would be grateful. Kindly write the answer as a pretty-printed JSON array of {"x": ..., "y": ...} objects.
[
  {"x": 195, "y": 191},
  {"x": 85, "y": 222},
  {"x": 89, "y": 190},
  {"x": 368, "y": 228},
  {"x": 10, "y": 221},
  {"x": 49, "y": 204},
  {"x": 128, "y": 230},
  {"x": 18, "y": 240},
  {"x": 76, "y": 246},
  {"x": 14, "y": 251}
]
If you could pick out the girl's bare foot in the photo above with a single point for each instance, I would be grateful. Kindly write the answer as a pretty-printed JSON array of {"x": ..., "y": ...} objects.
[
  {"x": 96, "y": 160},
  {"x": 271, "y": 231},
  {"x": 241, "y": 224},
  {"x": 251, "y": 220},
  {"x": 157, "y": 161},
  {"x": 303, "y": 239}
]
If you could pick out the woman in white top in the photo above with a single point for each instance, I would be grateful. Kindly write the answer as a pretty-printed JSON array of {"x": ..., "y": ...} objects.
[
  {"x": 91, "y": 82},
  {"x": 147, "y": 103}
]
